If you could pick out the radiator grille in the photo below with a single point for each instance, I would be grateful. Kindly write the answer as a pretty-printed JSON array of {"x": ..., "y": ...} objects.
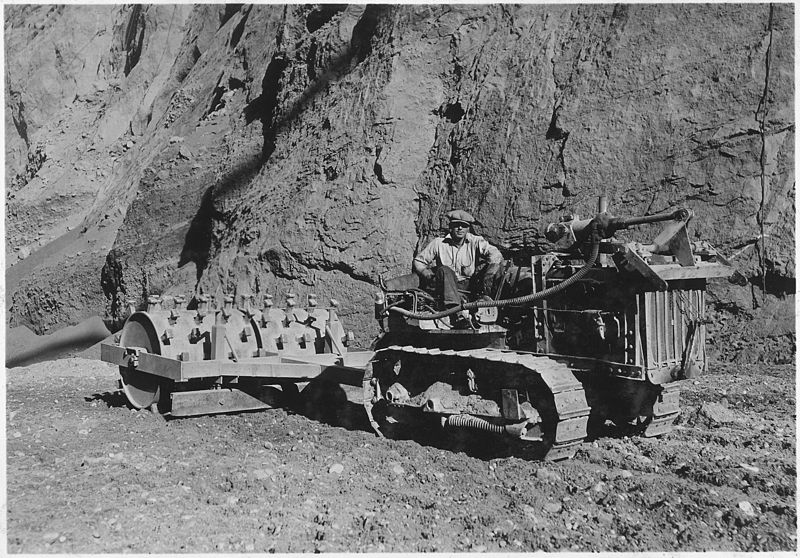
[{"x": 668, "y": 319}]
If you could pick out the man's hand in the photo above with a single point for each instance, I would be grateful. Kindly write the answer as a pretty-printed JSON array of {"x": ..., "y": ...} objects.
[{"x": 421, "y": 268}]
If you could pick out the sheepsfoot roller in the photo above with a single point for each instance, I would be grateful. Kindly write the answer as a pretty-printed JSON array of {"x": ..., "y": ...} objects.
[
  {"x": 594, "y": 335},
  {"x": 224, "y": 359}
]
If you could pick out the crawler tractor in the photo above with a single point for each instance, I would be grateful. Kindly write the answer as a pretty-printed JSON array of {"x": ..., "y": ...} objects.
[{"x": 595, "y": 332}]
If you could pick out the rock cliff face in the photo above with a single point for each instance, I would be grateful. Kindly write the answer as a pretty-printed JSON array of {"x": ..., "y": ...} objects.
[{"x": 177, "y": 149}]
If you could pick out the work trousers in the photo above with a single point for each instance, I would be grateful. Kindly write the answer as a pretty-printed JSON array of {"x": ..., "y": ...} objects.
[{"x": 447, "y": 287}]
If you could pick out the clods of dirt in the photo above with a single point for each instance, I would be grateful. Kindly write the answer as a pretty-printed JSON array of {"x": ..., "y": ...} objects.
[{"x": 87, "y": 474}]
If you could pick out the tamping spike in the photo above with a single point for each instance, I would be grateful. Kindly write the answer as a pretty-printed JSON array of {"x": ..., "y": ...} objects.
[
  {"x": 153, "y": 303},
  {"x": 202, "y": 306},
  {"x": 290, "y": 304},
  {"x": 227, "y": 306},
  {"x": 332, "y": 317}
]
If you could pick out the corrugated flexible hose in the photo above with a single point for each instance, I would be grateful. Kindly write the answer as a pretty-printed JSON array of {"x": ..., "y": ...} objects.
[
  {"x": 527, "y": 299},
  {"x": 475, "y": 423}
]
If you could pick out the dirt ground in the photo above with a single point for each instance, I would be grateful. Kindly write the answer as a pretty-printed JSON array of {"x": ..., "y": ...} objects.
[{"x": 86, "y": 474}]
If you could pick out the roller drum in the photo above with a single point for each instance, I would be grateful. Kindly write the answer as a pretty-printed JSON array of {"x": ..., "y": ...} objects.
[
  {"x": 243, "y": 334},
  {"x": 186, "y": 335}
]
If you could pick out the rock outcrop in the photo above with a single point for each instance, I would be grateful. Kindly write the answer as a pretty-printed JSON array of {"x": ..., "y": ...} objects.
[{"x": 176, "y": 149}]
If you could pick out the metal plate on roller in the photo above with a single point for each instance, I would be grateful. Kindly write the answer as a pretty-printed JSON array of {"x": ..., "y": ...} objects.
[{"x": 225, "y": 400}]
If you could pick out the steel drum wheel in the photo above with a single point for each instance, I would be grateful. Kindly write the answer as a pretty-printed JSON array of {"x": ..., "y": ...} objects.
[{"x": 143, "y": 390}]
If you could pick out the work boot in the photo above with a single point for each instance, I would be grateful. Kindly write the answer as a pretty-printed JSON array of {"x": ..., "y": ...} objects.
[{"x": 461, "y": 320}]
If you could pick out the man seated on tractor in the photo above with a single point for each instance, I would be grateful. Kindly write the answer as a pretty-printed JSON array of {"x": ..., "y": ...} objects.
[{"x": 460, "y": 261}]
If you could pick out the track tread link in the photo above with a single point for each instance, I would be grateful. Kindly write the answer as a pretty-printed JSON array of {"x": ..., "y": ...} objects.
[
  {"x": 665, "y": 410},
  {"x": 568, "y": 394}
]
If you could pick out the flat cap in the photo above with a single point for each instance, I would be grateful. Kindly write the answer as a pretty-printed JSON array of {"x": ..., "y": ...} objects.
[{"x": 460, "y": 215}]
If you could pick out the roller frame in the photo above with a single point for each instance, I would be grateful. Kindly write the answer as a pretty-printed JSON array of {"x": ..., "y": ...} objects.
[{"x": 273, "y": 366}]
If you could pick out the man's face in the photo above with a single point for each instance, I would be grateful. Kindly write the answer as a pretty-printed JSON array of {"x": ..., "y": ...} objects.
[{"x": 458, "y": 230}]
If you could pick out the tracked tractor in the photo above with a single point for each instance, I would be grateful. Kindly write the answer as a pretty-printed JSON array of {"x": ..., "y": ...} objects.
[{"x": 595, "y": 333}]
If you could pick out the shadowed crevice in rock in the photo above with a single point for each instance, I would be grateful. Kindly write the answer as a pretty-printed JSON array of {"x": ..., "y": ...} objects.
[
  {"x": 36, "y": 159},
  {"x": 367, "y": 29},
  {"x": 199, "y": 237},
  {"x": 453, "y": 112},
  {"x": 377, "y": 168},
  {"x": 321, "y": 15},
  {"x": 311, "y": 60},
  {"x": 230, "y": 11},
  {"x": 134, "y": 37},
  {"x": 18, "y": 117},
  {"x": 267, "y": 107},
  {"x": 237, "y": 32},
  {"x": 200, "y": 241},
  {"x": 554, "y": 131},
  {"x": 112, "y": 281},
  {"x": 762, "y": 112},
  {"x": 774, "y": 283}
]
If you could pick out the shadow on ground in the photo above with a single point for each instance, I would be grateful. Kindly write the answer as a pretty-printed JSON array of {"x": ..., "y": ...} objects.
[{"x": 339, "y": 406}]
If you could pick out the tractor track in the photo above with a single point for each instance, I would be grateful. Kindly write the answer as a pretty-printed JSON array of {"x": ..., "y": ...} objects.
[{"x": 572, "y": 410}]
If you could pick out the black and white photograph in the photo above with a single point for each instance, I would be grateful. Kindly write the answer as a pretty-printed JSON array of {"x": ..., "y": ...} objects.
[{"x": 400, "y": 278}]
